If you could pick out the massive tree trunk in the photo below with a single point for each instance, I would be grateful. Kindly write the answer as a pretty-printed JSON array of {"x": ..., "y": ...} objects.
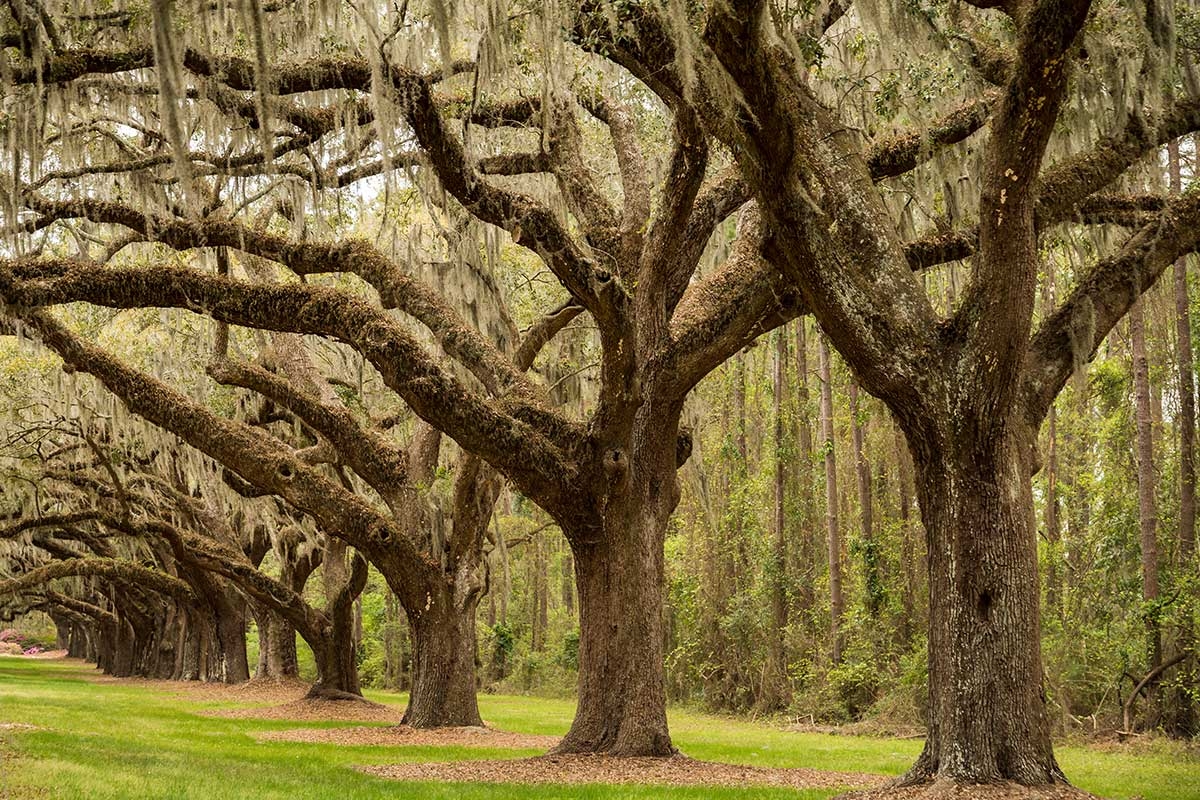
[
  {"x": 619, "y": 576},
  {"x": 443, "y": 669},
  {"x": 987, "y": 711}
]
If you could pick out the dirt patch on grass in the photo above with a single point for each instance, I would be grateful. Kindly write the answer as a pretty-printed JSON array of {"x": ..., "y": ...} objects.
[
  {"x": 265, "y": 698},
  {"x": 580, "y": 769},
  {"x": 17, "y": 726},
  {"x": 404, "y": 736},
  {"x": 265, "y": 691},
  {"x": 948, "y": 790},
  {"x": 305, "y": 710}
]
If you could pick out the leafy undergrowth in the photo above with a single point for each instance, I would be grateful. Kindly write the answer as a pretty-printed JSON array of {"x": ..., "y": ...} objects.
[{"x": 99, "y": 740}]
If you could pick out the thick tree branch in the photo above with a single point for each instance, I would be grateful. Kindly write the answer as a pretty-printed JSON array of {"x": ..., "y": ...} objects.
[
  {"x": 396, "y": 288},
  {"x": 370, "y": 454},
  {"x": 125, "y": 572}
]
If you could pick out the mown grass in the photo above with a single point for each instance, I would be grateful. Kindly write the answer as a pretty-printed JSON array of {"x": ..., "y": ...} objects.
[{"x": 114, "y": 740}]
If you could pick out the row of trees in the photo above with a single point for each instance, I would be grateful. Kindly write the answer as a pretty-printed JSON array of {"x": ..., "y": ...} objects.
[{"x": 679, "y": 181}]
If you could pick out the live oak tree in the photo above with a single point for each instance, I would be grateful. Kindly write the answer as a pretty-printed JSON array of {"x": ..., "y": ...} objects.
[
  {"x": 608, "y": 481},
  {"x": 970, "y": 389},
  {"x": 610, "y": 484}
]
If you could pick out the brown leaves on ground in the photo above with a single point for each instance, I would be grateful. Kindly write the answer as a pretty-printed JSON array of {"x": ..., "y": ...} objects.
[
  {"x": 404, "y": 736},
  {"x": 580, "y": 769},
  {"x": 259, "y": 690},
  {"x": 949, "y": 790},
  {"x": 315, "y": 710}
]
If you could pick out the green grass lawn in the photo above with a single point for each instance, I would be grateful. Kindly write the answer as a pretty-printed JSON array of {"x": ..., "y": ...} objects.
[{"x": 125, "y": 741}]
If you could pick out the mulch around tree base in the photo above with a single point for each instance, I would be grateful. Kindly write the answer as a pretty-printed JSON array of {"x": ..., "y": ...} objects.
[
  {"x": 580, "y": 769},
  {"x": 404, "y": 736},
  {"x": 948, "y": 790},
  {"x": 313, "y": 710}
]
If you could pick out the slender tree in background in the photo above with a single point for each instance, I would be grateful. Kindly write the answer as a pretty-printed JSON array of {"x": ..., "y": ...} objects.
[
  {"x": 1186, "y": 371},
  {"x": 775, "y": 691},
  {"x": 1147, "y": 484},
  {"x": 833, "y": 534},
  {"x": 866, "y": 501},
  {"x": 1051, "y": 521}
]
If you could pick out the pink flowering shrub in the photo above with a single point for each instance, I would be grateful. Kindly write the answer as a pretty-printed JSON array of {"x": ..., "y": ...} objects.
[{"x": 19, "y": 642}]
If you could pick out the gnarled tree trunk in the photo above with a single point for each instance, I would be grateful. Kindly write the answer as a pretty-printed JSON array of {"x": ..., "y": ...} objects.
[
  {"x": 335, "y": 648},
  {"x": 987, "y": 711}
]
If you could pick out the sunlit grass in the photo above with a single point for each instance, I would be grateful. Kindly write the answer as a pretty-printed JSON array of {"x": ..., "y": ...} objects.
[{"x": 115, "y": 740}]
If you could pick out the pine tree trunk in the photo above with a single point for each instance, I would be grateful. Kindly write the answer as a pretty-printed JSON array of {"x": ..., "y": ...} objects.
[
  {"x": 807, "y": 528},
  {"x": 862, "y": 471},
  {"x": 833, "y": 534},
  {"x": 775, "y": 694},
  {"x": 909, "y": 544},
  {"x": 988, "y": 718},
  {"x": 1053, "y": 524},
  {"x": 1147, "y": 511},
  {"x": 1184, "y": 709},
  {"x": 540, "y": 613}
]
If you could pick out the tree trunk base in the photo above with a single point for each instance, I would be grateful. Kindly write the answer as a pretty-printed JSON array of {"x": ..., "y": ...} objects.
[
  {"x": 642, "y": 741},
  {"x": 945, "y": 789}
]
